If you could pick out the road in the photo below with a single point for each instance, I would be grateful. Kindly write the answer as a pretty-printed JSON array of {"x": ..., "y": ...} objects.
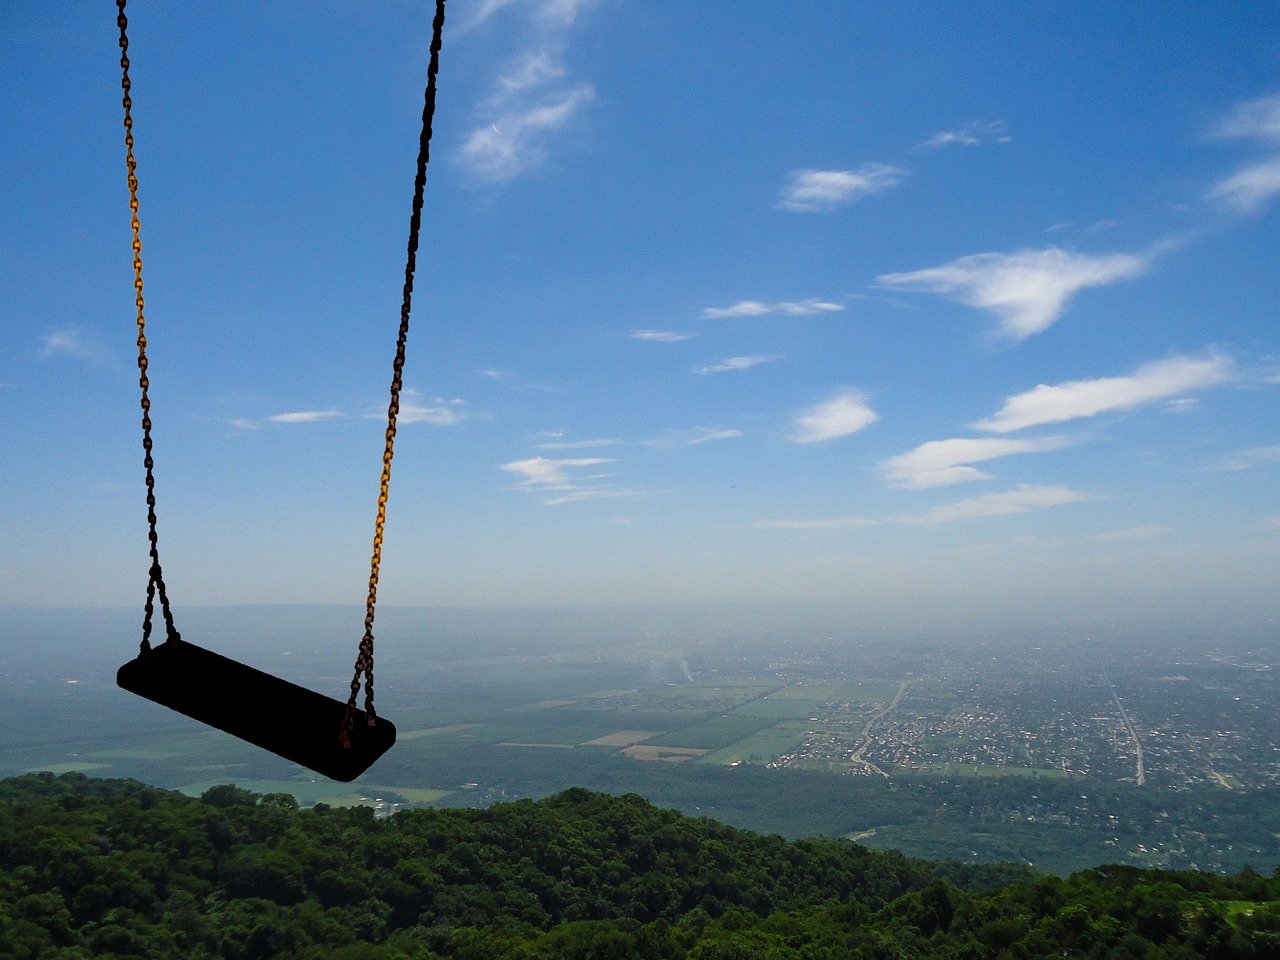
[
  {"x": 1140, "y": 774},
  {"x": 865, "y": 744}
]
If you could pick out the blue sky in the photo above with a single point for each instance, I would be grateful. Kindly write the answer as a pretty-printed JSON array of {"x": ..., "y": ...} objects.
[{"x": 721, "y": 301}]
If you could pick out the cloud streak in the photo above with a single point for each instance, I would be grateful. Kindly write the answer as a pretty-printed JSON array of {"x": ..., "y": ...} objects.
[
  {"x": 305, "y": 416},
  {"x": 1078, "y": 399},
  {"x": 731, "y": 364},
  {"x": 1250, "y": 188},
  {"x": 534, "y": 98},
  {"x": 843, "y": 414},
  {"x": 971, "y": 134},
  {"x": 661, "y": 336},
  {"x": 1028, "y": 290},
  {"x": 809, "y": 191},
  {"x": 548, "y": 473},
  {"x": 756, "y": 308},
  {"x": 1021, "y": 499},
  {"x": 1250, "y": 458},
  {"x": 941, "y": 463},
  {"x": 70, "y": 342}
]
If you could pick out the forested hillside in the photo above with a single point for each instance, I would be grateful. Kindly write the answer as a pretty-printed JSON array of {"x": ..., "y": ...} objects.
[{"x": 112, "y": 868}]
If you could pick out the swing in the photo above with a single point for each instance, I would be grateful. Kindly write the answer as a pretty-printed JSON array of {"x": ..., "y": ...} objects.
[{"x": 335, "y": 739}]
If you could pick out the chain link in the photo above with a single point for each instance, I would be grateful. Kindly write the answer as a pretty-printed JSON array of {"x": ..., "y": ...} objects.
[
  {"x": 155, "y": 578},
  {"x": 364, "y": 661}
]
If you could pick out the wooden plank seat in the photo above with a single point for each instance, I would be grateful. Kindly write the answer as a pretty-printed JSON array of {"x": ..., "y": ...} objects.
[{"x": 291, "y": 721}]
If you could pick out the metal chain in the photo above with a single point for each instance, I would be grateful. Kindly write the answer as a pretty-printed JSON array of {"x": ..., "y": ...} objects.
[
  {"x": 155, "y": 578},
  {"x": 364, "y": 662}
]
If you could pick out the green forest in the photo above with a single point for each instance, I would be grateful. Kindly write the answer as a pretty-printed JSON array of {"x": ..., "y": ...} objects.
[{"x": 94, "y": 868}]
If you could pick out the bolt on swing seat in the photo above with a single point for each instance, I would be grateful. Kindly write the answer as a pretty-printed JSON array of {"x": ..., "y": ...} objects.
[
  {"x": 291, "y": 721},
  {"x": 333, "y": 738}
]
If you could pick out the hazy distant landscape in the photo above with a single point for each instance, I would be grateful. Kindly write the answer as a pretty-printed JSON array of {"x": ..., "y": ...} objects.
[{"x": 1065, "y": 751}]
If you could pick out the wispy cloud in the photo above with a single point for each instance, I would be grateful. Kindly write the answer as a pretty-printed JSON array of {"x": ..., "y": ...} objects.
[
  {"x": 807, "y": 191},
  {"x": 442, "y": 413},
  {"x": 1249, "y": 458},
  {"x": 71, "y": 342},
  {"x": 515, "y": 140},
  {"x": 1087, "y": 398},
  {"x": 730, "y": 364},
  {"x": 548, "y": 473},
  {"x": 1251, "y": 188},
  {"x": 595, "y": 493},
  {"x": 1028, "y": 289},
  {"x": 305, "y": 416},
  {"x": 833, "y": 523},
  {"x": 1021, "y": 499},
  {"x": 240, "y": 423},
  {"x": 534, "y": 98},
  {"x": 1255, "y": 120},
  {"x": 691, "y": 438},
  {"x": 845, "y": 413},
  {"x": 563, "y": 480},
  {"x": 971, "y": 134},
  {"x": 493, "y": 373},
  {"x": 662, "y": 336},
  {"x": 940, "y": 463},
  {"x": 757, "y": 308},
  {"x": 578, "y": 444}
]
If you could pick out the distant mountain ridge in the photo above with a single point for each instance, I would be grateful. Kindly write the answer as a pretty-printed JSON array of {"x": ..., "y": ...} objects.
[{"x": 118, "y": 869}]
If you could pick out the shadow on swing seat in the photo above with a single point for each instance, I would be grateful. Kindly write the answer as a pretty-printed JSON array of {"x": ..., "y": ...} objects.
[{"x": 291, "y": 721}]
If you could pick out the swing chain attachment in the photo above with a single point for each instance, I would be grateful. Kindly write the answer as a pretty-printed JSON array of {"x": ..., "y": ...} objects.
[
  {"x": 364, "y": 661},
  {"x": 155, "y": 577}
]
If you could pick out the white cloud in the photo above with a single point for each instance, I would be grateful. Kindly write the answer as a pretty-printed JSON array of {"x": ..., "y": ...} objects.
[
  {"x": 240, "y": 423},
  {"x": 810, "y": 190},
  {"x": 561, "y": 13},
  {"x": 492, "y": 373},
  {"x": 730, "y": 364},
  {"x": 755, "y": 308},
  {"x": 305, "y": 416},
  {"x": 662, "y": 336},
  {"x": 834, "y": 523},
  {"x": 71, "y": 342},
  {"x": 1021, "y": 499},
  {"x": 1028, "y": 290},
  {"x": 550, "y": 474},
  {"x": 940, "y": 463},
  {"x": 593, "y": 493},
  {"x": 1250, "y": 458},
  {"x": 535, "y": 69},
  {"x": 1250, "y": 188},
  {"x": 1087, "y": 398},
  {"x": 844, "y": 414},
  {"x": 534, "y": 97},
  {"x": 1256, "y": 120},
  {"x": 516, "y": 140},
  {"x": 440, "y": 414},
  {"x": 708, "y": 435},
  {"x": 970, "y": 135},
  {"x": 578, "y": 444},
  {"x": 691, "y": 438}
]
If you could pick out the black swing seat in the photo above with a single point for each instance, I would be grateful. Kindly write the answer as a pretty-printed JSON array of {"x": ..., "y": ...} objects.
[{"x": 291, "y": 721}]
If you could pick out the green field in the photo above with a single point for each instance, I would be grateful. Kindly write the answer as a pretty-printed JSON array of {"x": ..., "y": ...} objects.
[
  {"x": 713, "y": 733},
  {"x": 778, "y": 709},
  {"x": 758, "y": 748}
]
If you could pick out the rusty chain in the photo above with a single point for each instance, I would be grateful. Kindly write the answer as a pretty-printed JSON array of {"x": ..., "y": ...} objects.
[
  {"x": 364, "y": 662},
  {"x": 155, "y": 578}
]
